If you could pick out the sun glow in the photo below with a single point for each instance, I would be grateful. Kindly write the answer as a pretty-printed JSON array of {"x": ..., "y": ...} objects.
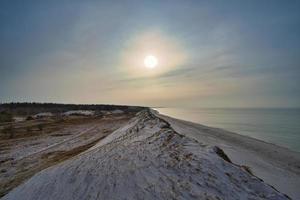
[
  {"x": 150, "y": 61},
  {"x": 154, "y": 50}
]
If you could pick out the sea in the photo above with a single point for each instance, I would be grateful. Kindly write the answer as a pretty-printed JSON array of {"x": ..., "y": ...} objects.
[{"x": 280, "y": 126}]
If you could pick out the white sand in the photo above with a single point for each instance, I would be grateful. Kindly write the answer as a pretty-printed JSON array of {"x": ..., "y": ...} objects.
[
  {"x": 276, "y": 165},
  {"x": 146, "y": 159},
  {"x": 79, "y": 112}
]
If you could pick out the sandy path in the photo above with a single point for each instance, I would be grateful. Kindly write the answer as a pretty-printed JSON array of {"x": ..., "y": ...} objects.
[{"x": 277, "y": 166}]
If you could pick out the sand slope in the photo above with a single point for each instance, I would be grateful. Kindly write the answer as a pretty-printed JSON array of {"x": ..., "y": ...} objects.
[
  {"x": 146, "y": 159},
  {"x": 276, "y": 165}
]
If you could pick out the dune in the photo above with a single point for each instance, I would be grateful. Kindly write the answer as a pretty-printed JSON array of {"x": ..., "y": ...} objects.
[{"x": 147, "y": 159}]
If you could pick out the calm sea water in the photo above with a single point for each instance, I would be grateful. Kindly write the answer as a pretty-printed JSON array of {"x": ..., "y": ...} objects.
[{"x": 277, "y": 126}]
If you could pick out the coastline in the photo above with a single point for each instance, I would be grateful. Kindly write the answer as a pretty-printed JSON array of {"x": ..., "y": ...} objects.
[
  {"x": 278, "y": 126},
  {"x": 153, "y": 156},
  {"x": 276, "y": 165}
]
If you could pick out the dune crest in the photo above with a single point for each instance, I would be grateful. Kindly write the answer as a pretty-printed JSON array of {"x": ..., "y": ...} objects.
[{"x": 146, "y": 159}]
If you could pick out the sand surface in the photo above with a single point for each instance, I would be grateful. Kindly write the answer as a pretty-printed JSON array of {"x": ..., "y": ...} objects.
[
  {"x": 30, "y": 152},
  {"x": 147, "y": 159},
  {"x": 277, "y": 166}
]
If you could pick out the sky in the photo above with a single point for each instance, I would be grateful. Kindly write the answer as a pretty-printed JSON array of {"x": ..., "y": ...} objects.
[{"x": 210, "y": 53}]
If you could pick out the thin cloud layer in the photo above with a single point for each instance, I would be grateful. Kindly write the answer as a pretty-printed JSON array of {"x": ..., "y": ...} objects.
[{"x": 210, "y": 54}]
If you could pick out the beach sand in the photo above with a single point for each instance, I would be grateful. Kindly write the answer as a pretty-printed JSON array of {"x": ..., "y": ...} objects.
[
  {"x": 156, "y": 157},
  {"x": 277, "y": 166}
]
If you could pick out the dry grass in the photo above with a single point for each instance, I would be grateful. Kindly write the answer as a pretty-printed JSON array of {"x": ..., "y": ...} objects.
[{"x": 38, "y": 127}]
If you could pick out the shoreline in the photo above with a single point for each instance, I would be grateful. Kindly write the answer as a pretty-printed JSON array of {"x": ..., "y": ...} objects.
[
  {"x": 277, "y": 126},
  {"x": 148, "y": 158},
  {"x": 231, "y": 132},
  {"x": 276, "y": 165}
]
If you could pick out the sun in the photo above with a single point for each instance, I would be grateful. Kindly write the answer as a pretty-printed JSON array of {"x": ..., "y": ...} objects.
[{"x": 150, "y": 61}]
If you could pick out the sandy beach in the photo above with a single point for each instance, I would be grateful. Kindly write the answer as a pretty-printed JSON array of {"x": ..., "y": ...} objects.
[
  {"x": 277, "y": 166},
  {"x": 149, "y": 100},
  {"x": 158, "y": 157}
]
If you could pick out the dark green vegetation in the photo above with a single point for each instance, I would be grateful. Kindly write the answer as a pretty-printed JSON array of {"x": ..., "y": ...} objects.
[{"x": 24, "y": 109}]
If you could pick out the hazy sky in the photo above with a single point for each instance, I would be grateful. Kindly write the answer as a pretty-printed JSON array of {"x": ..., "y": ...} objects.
[{"x": 210, "y": 53}]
